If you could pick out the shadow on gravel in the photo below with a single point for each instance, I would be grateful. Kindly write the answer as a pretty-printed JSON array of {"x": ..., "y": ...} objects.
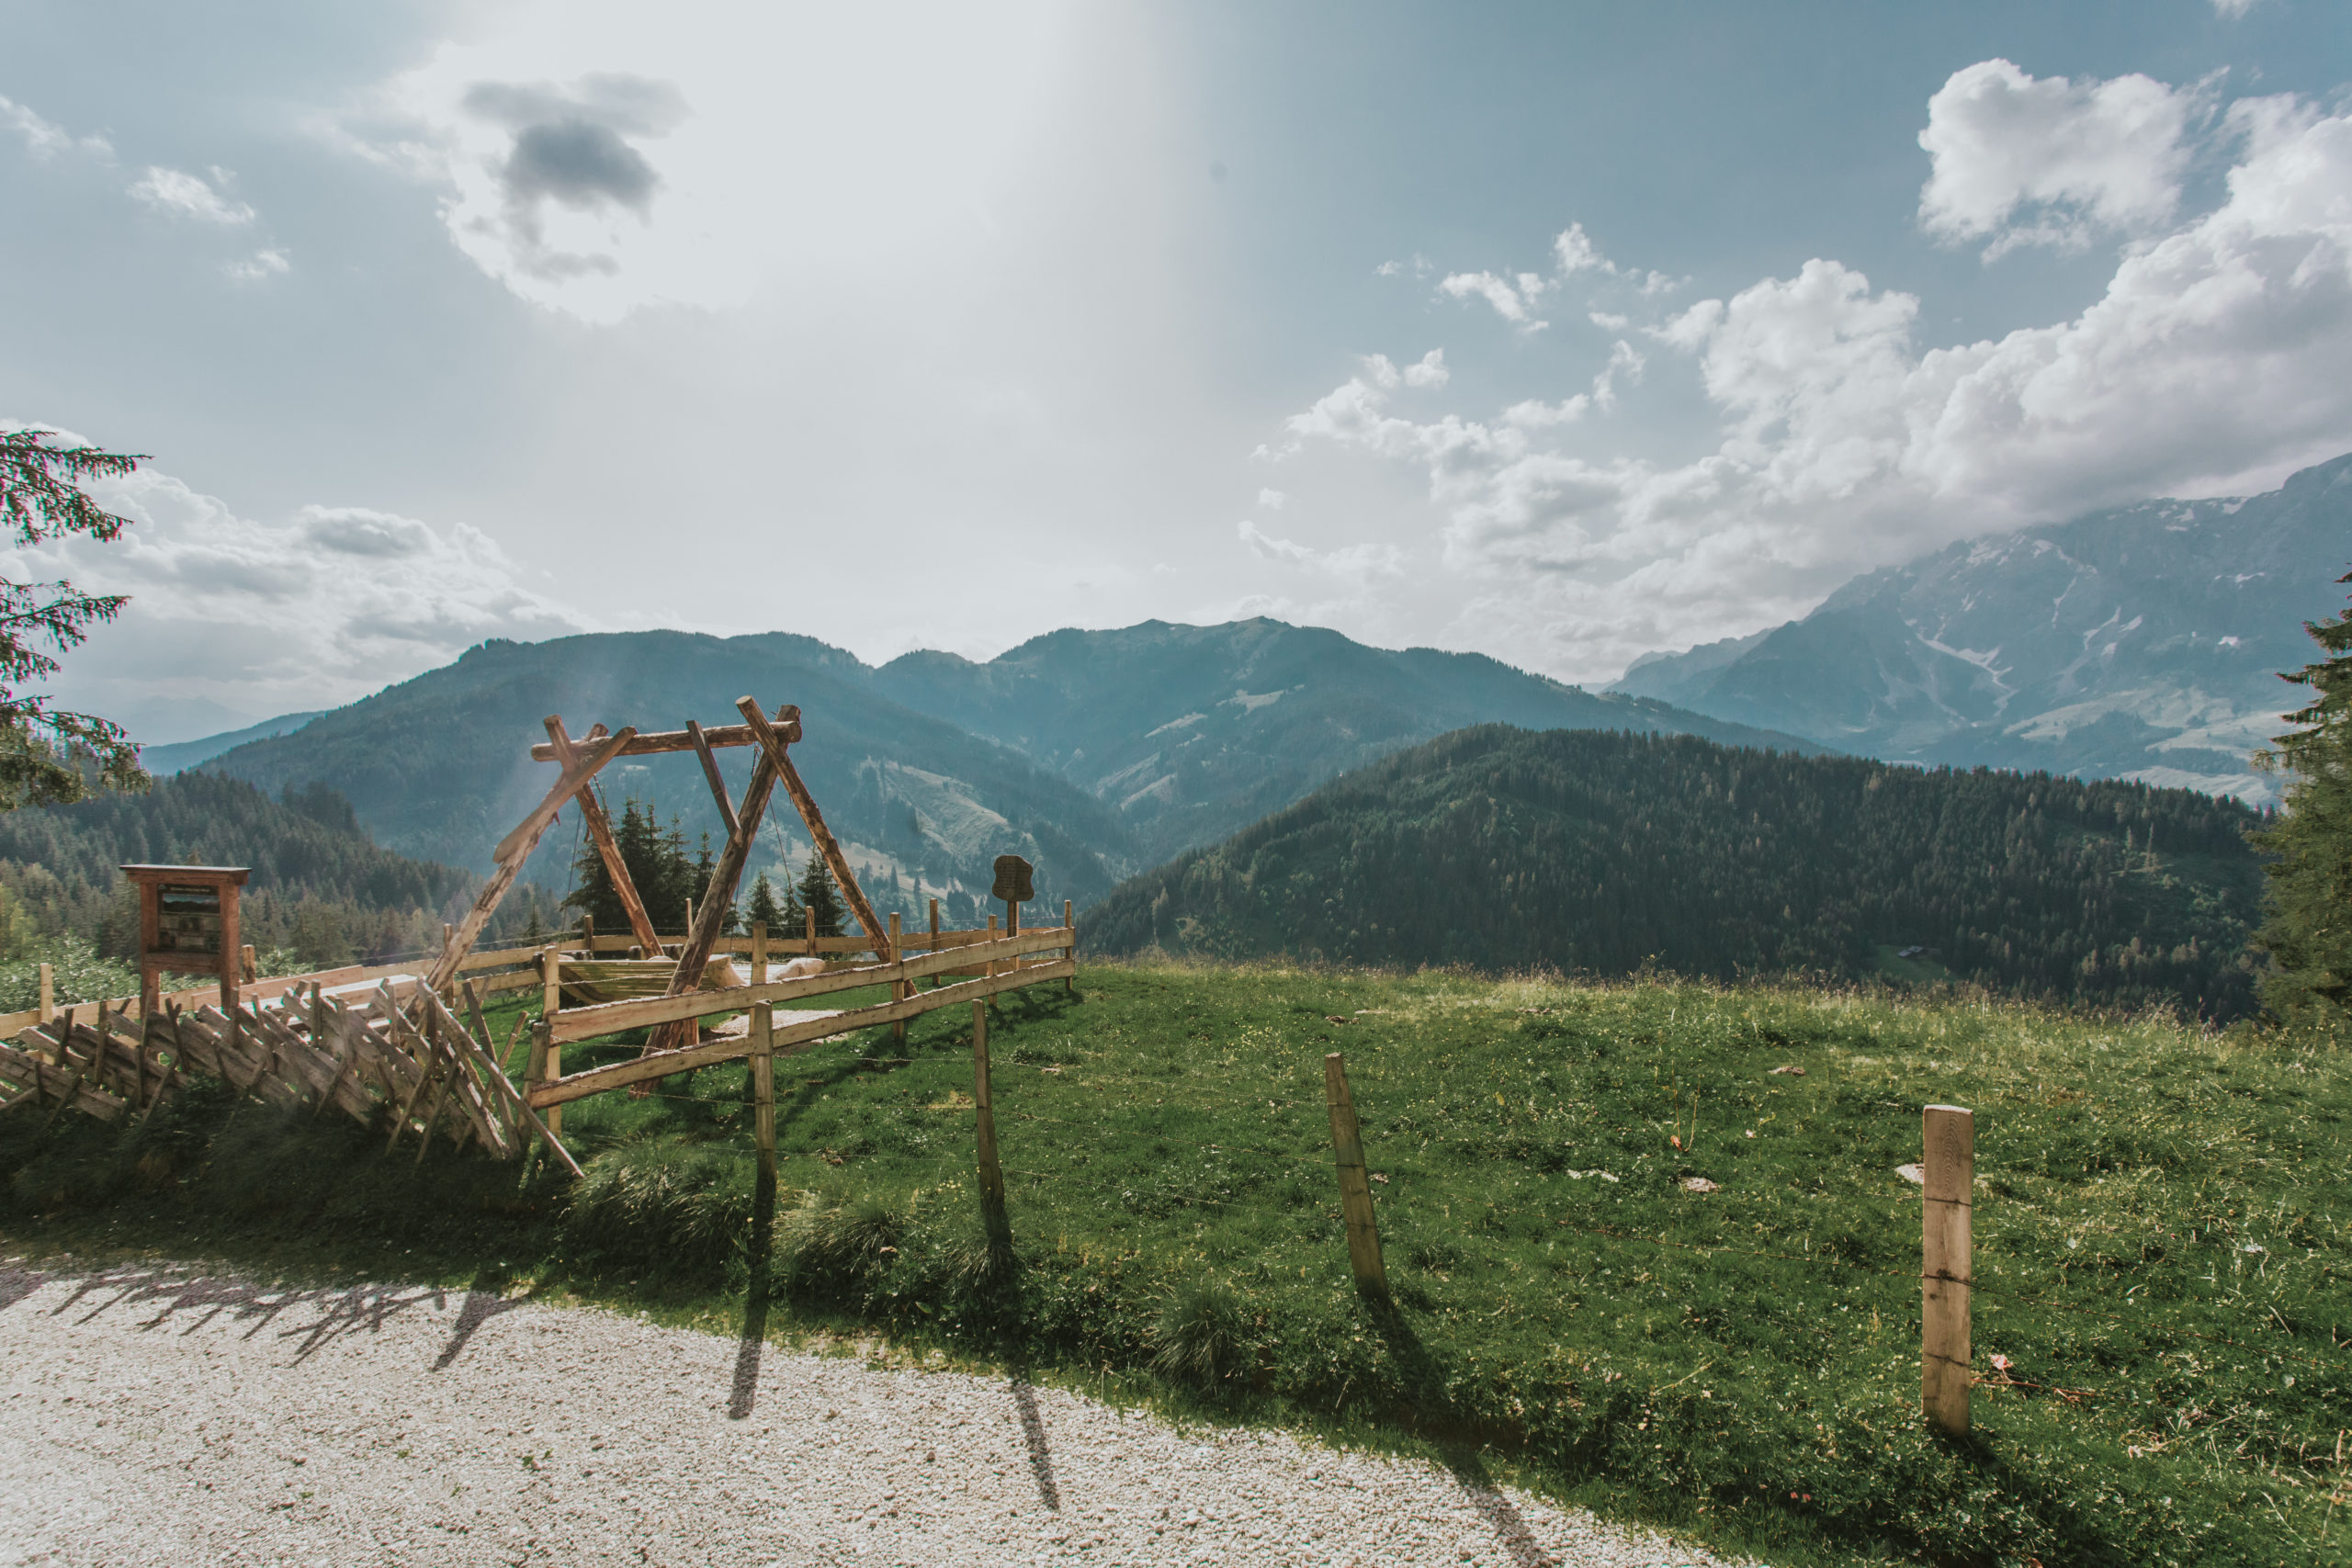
[
  {"x": 1422, "y": 1370},
  {"x": 485, "y": 1299},
  {"x": 745, "y": 1387},
  {"x": 15, "y": 1284},
  {"x": 1033, "y": 1429},
  {"x": 341, "y": 1313}
]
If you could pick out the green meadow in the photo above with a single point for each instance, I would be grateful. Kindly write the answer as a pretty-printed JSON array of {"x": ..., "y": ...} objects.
[{"x": 2163, "y": 1320}]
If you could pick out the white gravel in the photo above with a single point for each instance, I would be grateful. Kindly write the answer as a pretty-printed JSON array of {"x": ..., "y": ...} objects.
[{"x": 155, "y": 1416}]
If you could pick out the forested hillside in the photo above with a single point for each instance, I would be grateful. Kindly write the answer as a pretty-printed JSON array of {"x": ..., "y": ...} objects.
[
  {"x": 1601, "y": 852},
  {"x": 319, "y": 886}
]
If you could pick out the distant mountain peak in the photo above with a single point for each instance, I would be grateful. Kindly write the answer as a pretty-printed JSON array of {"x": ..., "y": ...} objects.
[{"x": 2139, "y": 641}]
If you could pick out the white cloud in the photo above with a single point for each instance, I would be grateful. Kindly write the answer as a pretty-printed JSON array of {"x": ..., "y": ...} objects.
[
  {"x": 1510, "y": 300},
  {"x": 46, "y": 138},
  {"x": 2232, "y": 8},
  {"x": 2053, "y": 161},
  {"x": 321, "y": 609},
  {"x": 263, "y": 263},
  {"x": 1267, "y": 547},
  {"x": 1576, "y": 252},
  {"x": 2210, "y": 365},
  {"x": 185, "y": 196},
  {"x": 1272, "y": 499}
]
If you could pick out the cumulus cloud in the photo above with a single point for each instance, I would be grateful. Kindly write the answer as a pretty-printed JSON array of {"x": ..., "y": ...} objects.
[
  {"x": 323, "y": 607},
  {"x": 2023, "y": 161},
  {"x": 2211, "y": 364},
  {"x": 184, "y": 195}
]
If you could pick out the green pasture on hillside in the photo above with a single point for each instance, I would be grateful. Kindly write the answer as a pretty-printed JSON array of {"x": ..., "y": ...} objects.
[{"x": 2162, "y": 1252}]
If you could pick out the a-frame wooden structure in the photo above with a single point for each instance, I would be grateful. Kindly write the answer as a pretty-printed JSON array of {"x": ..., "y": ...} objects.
[{"x": 581, "y": 760}]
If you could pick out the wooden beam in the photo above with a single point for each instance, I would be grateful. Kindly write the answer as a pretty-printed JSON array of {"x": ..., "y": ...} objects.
[
  {"x": 719, "y": 896},
  {"x": 600, "y": 832},
  {"x": 784, "y": 1038},
  {"x": 517, "y": 848},
  {"x": 721, "y": 734},
  {"x": 574, "y": 1024},
  {"x": 717, "y": 785},
  {"x": 772, "y": 744}
]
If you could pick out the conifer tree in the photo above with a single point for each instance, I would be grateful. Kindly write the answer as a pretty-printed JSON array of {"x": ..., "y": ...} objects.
[
  {"x": 819, "y": 897},
  {"x": 2308, "y": 928},
  {"x": 765, "y": 909},
  {"x": 48, "y": 755}
]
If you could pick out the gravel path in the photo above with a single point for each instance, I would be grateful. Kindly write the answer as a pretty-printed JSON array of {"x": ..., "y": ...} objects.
[{"x": 153, "y": 1416}]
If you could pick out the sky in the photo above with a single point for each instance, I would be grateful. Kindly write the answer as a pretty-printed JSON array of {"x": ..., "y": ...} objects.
[{"x": 1561, "y": 332}]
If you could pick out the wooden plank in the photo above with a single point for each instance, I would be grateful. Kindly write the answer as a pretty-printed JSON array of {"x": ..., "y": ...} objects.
[
  {"x": 717, "y": 785},
  {"x": 792, "y": 1037},
  {"x": 1949, "y": 1134},
  {"x": 611, "y": 1018},
  {"x": 600, "y": 833},
  {"x": 1355, "y": 1194},
  {"x": 773, "y": 746},
  {"x": 719, "y": 735}
]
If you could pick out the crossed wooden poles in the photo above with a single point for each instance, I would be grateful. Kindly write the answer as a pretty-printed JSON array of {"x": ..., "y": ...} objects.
[{"x": 581, "y": 760}]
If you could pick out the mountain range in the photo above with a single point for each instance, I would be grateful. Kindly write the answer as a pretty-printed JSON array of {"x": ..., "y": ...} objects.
[
  {"x": 2140, "y": 642},
  {"x": 1092, "y": 753}
]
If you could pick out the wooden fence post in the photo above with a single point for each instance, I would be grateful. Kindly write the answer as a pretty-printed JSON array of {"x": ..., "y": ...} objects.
[
  {"x": 991, "y": 1176},
  {"x": 1070, "y": 924},
  {"x": 936, "y": 980},
  {"x": 1355, "y": 1193},
  {"x": 48, "y": 996},
  {"x": 899, "y": 989},
  {"x": 551, "y": 981},
  {"x": 759, "y": 953},
  {"x": 763, "y": 1084},
  {"x": 1944, "y": 1265}
]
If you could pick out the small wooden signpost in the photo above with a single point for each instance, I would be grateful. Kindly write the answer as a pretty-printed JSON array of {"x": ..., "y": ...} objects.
[
  {"x": 1014, "y": 886},
  {"x": 187, "y": 925}
]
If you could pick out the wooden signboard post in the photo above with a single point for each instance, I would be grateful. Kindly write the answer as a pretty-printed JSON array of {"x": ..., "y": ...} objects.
[{"x": 187, "y": 925}]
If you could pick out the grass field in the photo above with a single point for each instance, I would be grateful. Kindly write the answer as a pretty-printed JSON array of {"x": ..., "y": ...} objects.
[{"x": 2162, "y": 1254}]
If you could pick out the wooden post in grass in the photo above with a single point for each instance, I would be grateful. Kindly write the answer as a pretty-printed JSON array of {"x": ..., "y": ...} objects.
[
  {"x": 1355, "y": 1193},
  {"x": 551, "y": 981},
  {"x": 545, "y": 1064},
  {"x": 1944, "y": 1265},
  {"x": 48, "y": 993},
  {"x": 1070, "y": 924},
  {"x": 991, "y": 1176},
  {"x": 936, "y": 980},
  {"x": 898, "y": 989},
  {"x": 762, "y": 1059},
  {"x": 812, "y": 931}
]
